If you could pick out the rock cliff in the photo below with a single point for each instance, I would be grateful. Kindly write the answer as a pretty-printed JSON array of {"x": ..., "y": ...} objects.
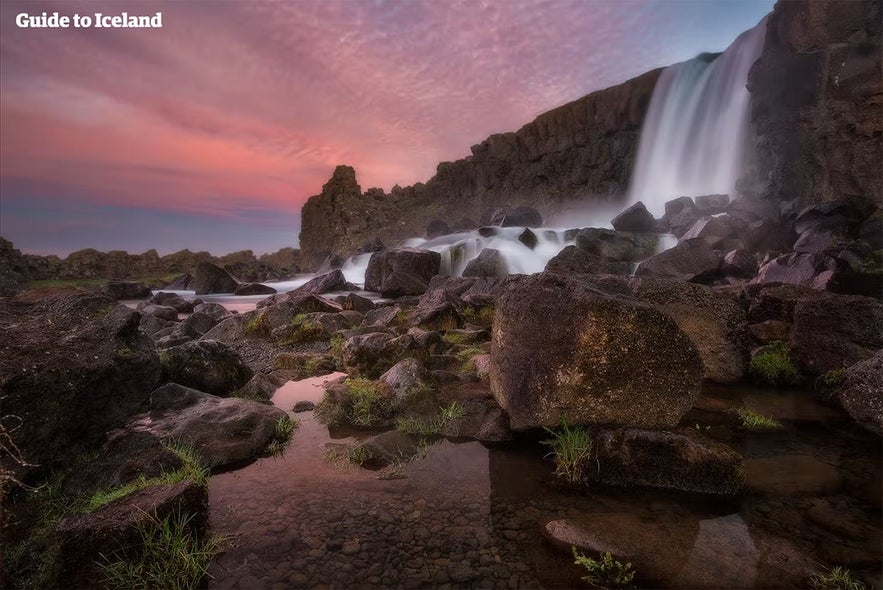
[{"x": 582, "y": 150}]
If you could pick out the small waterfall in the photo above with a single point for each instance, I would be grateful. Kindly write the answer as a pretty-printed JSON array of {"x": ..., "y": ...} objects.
[{"x": 697, "y": 126}]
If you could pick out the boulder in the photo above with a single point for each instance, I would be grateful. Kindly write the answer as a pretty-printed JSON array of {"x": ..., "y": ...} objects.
[
  {"x": 691, "y": 260},
  {"x": 517, "y": 217},
  {"x": 13, "y": 269},
  {"x": 401, "y": 271},
  {"x": 73, "y": 365},
  {"x": 488, "y": 263},
  {"x": 562, "y": 351},
  {"x": 635, "y": 219},
  {"x": 483, "y": 420},
  {"x": 671, "y": 460},
  {"x": 199, "y": 323},
  {"x": 712, "y": 204},
  {"x": 800, "y": 268},
  {"x": 617, "y": 245},
  {"x": 180, "y": 283},
  {"x": 407, "y": 378},
  {"x": 861, "y": 393},
  {"x": 436, "y": 228},
  {"x": 371, "y": 355},
  {"x": 715, "y": 231},
  {"x": 354, "y": 302},
  {"x": 211, "y": 278},
  {"x": 528, "y": 238},
  {"x": 254, "y": 289},
  {"x": 152, "y": 325},
  {"x": 739, "y": 263},
  {"x": 211, "y": 366},
  {"x": 681, "y": 214},
  {"x": 835, "y": 331},
  {"x": 163, "y": 312},
  {"x": 172, "y": 300},
  {"x": 215, "y": 310},
  {"x": 326, "y": 283},
  {"x": 125, "y": 290},
  {"x": 259, "y": 388},
  {"x": 221, "y": 430},
  {"x": 574, "y": 260}
]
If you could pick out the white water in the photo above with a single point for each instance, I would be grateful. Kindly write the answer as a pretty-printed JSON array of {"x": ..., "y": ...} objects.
[{"x": 695, "y": 131}]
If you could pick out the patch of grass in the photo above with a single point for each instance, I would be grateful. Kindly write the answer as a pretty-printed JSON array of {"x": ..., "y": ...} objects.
[
  {"x": 754, "y": 421},
  {"x": 773, "y": 366},
  {"x": 835, "y": 578},
  {"x": 456, "y": 338},
  {"x": 873, "y": 263},
  {"x": 368, "y": 405},
  {"x": 172, "y": 556},
  {"x": 337, "y": 346},
  {"x": 257, "y": 327},
  {"x": 831, "y": 379},
  {"x": 466, "y": 358},
  {"x": 301, "y": 330},
  {"x": 191, "y": 469},
  {"x": 282, "y": 431},
  {"x": 571, "y": 450},
  {"x": 359, "y": 455},
  {"x": 480, "y": 316},
  {"x": 605, "y": 572},
  {"x": 427, "y": 427},
  {"x": 400, "y": 321},
  {"x": 451, "y": 412}
]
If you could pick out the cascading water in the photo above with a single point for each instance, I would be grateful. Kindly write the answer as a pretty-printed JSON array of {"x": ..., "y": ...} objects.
[{"x": 695, "y": 131}]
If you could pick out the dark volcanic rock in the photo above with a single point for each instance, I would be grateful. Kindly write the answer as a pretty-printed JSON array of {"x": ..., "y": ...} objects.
[
  {"x": 715, "y": 231},
  {"x": 560, "y": 350},
  {"x": 73, "y": 366},
  {"x": 575, "y": 260},
  {"x": 861, "y": 393},
  {"x": 488, "y": 263},
  {"x": 401, "y": 271},
  {"x": 635, "y": 219},
  {"x": 517, "y": 217},
  {"x": 209, "y": 365},
  {"x": 211, "y": 278},
  {"x": 712, "y": 204},
  {"x": 125, "y": 290},
  {"x": 254, "y": 289},
  {"x": 528, "y": 238},
  {"x": 373, "y": 354},
  {"x": 617, "y": 245},
  {"x": 670, "y": 460},
  {"x": 681, "y": 214},
  {"x": 809, "y": 270},
  {"x": 691, "y": 260},
  {"x": 173, "y": 300},
  {"x": 13, "y": 269},
  {"x": 326, "y": 283},
  {"x": 436, "y": 228}
]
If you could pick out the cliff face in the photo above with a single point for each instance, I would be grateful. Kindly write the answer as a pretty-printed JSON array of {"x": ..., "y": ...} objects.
[
  {"x": 817, "y": 103},
  {"x": 582, "y": 150}
]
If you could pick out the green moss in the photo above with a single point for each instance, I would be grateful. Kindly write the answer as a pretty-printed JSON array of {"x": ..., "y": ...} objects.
[
  {"x": 873, "y": 263},
  {"x": 754, "y": 421},
  {"x": 480, "y": 316},
  {"x": 466, "y": 358},
  {"x": 257, "y": 327},
  {"x": 773, "y": 366},
  {"x": 456, "y": 338},
  {"x": 836, "y": 578},
  {"x": 337, "y": 346},
  {"x": 605, "y": 572},
  {"x": 571, "y": 450},
  {"x": 833, "y": 378},
  {"x": 300, "y": 330}
]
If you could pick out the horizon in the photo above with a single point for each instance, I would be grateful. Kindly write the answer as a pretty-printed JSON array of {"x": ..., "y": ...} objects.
[{"x": 210, "y": 133}]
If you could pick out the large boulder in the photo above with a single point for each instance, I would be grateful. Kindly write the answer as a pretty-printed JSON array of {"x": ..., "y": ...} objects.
[
  {"x": 173, "y": 300},
  {"x": 815, "y": 270},
  {"x": 672, "y": 460},
  {"x": 13, "y": 269},
  {"x": 254, "y": 289},
  {"x": 691, "y": 260},
  {"x": 835, "y": 331},
  {"x": 436, "y": 228},
  {"x": 211, "y": 278},
  {"x": 563, "y": 351},
  {"x": 517, "y": 217},
  {"x": 715, "y": 231},
  {"x": 73, "y": 365},
  {"x": 401, "y": 271},
  {"x": 221, "y": 430},
  {"x": 681, "y": 214},
  {"x": 635, "y": 219},
  {"x": 325, "y": 283},
  {"x": 861, "y": 393},
  {"x": 488, "y": 263},
  {"x": 125, "y": 290},
  {"x": 208, "y": 365},
  {"x": 575, "y": 260},
  {"x": 371, "y": 355},
  {"x": 617, "y": 245}
]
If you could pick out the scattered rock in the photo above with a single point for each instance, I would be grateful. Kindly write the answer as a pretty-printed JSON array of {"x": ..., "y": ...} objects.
[
  {"x": 211, "y": 366},
  {"x": 173, "y": 300},
  {"x": 254, "y": 289},
  {"x": 303, "y": 406},
  {"x": 373, "y": 354},
  {"x": 715, "y": 231},
  {"x": 617, "y": 246},
  {"x": 573, "y": 260},
  {"x": 407, "y": 378},
  {"x": 436, "y": 228},
  {"x": 211, "y": 278},
  {"x": 488, "y": 263},
  {"x": 125, "y": 290},
  {"x": 681, "y": 214},
  {"x": 358, "y": 303},
  {"x": 691, "y": 260},
  {"x": 401, "y": 271},
  {"x": 635, "y": 219},
  {"x": 528, "y": 238},
  {"x": 326, "y": 283},
  {"x": 260, "y": 388},
  {"x": 861, "y": 393}
]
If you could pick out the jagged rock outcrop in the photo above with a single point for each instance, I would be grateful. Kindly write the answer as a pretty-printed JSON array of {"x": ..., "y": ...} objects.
[
  {"x": 13, "y": 269},
  {"x": 582, "y": 150}
]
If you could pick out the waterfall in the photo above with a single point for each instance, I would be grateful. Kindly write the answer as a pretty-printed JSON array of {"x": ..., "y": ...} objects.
[{"x": 695, "y": 131}]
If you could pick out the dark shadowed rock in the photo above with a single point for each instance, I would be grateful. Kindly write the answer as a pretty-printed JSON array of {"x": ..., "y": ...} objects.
[
  {"x": 215, "y": 310},
  {"x": 211, "y": 278},
  {"x": 677, "y": 461},
  {"x": 809, "y": 270},
  {"x": 200, "y": 322},
  {"x": 180, "y": 283},
  {"x": 715, "y": 231},
  {"x": 260, "y": 388},
  {"x": 13, "y": 269},
  {"x": 209, "y": 365},
  {"x": 125, "y": 290},
  {"x": 436, "y": 228},
  {"x": 635, "y": 219},
  {"x": 326, "y": 283},
  {"x": 254, "y": 289},
  {"x": 488, "y": 263},
  {"x": 835, "y": 331},
  {"x": 373, "y": 354},
  {"x": 401, "y": 271},
  {"x": 220, "y": 430},
  {"x": 712, "y": 204},
  {"x": 163, "y": 312},
  {"x": 560, "y": 350},
  {"x": 739, "y": 263},
  {"x": 681, "y": 214},
  {"x": 173, "y": 300},
  {"x": 331, "y": 262},
  {"x": 528, "y": 238},
  {"x": 575, "y": 260},
  {"x": 73, "y": 365},
  {"x": 861, "y": 393},
  {"x": 617, "y": 246},
  {"x": 354, "y": 302},
  {"x": 517, "y": 217},
  {"x": 690, "y": 260}
]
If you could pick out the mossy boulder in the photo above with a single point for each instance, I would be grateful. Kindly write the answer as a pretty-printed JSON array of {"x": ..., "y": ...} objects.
[
  {"x": 371, "y": 355},
  {"x": 564, "y": 351},
  {"x": 207, "y": 365},
  {"x": 861, "y": 393}
]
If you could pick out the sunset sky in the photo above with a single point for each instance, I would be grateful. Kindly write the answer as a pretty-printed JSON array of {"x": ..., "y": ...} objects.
[{"x": 211, "y": 132}]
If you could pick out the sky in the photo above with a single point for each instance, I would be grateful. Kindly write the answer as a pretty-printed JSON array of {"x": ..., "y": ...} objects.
[{"x": 211, "y": 132}]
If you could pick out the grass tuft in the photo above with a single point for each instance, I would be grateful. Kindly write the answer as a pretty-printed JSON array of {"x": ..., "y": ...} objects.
[
  {"x": 481, "y": 316},
  {"x": 301, "y": 330},
  {"x": 753, "y": 421},
  {"x": 282, "y": 432},
  {"x": 835, "y": 578},
  {"x": 773, "y": 366},
  {"x": 605, "y": 572},
  {"x": 571, "y": 450},
  {"x": 432, "y": 426},
  {"x": 257, "y": 327}
]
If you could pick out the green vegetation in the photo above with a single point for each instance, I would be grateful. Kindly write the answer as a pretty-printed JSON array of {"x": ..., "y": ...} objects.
[
  {"x": 191, "y": 469},
  {"x": 369, "y": 406},
  {"x": 466, "y": 358},
  {"x": 571, "y": 449},
  {"x": 605, "y": 572},
  {"x": 154, "y": 282},
  {"x": 400, "y": 320},
  {"x": 702, "y": 429},
  {"x": 873, "y": 263},
  {"x": 257, "y": 327},
  {"x": 481, "y": 316},
  {"x": 282, "y": 432},
  {"x": 172, "y": 557},
  {"x": 754, "y": 421},
  {"x": 426, "y": 427},
  {"x": 359, "y": 455},
  {"x": 831, "y": 379},
  {"x": 836, "y": 578},
  {"x": 301, "y": 330},
  {"x": 773, "y": 366},
  {"x": 337, "y": 346},
  {"x": 456, "y": 338}
]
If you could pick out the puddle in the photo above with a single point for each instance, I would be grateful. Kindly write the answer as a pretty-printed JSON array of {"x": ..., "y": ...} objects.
[
  {"x": 310, "y": 390},
  {"x": 470, "y": 515}
]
